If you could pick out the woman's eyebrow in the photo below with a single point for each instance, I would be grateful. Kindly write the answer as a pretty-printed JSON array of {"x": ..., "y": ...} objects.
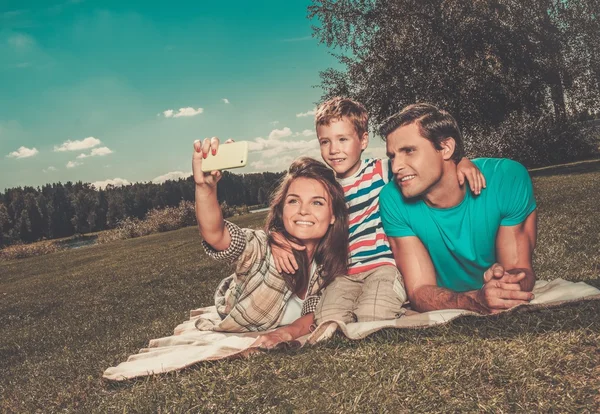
[{"x": 296, "y": 195}]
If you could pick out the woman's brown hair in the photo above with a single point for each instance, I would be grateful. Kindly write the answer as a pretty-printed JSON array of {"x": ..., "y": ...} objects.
[{"x": 331, "y": 253}]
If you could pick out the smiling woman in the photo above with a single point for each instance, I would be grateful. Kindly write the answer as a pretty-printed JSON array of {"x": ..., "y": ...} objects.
[{"x": 307, "y": 208}]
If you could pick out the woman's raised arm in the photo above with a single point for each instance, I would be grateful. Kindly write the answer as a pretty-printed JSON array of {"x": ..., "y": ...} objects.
[{"x": 208, "y": 211}]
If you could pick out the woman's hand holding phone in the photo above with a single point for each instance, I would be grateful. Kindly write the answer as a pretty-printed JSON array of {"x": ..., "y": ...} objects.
[{"x": 205, "y": 180}]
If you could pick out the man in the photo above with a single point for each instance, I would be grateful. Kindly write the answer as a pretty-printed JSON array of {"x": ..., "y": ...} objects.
[{"x": 455, "y": 249}]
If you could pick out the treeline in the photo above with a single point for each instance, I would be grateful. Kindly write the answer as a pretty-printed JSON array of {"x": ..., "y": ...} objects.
[{"x": 28, "y": 214}]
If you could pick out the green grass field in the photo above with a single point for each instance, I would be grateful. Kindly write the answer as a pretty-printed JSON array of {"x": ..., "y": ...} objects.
[{"x": 67, "y": 316}]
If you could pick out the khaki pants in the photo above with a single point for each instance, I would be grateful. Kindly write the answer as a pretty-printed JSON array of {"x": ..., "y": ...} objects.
[{"x": 374, "y": 295}]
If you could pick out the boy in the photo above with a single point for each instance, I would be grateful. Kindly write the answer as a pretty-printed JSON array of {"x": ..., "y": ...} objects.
[{"x": 373, "y": 288}]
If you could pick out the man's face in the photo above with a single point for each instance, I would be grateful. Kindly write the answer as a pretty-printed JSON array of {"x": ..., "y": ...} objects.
[
  {"x": 341, "y": 147},
  {"x": 416, "y": 164}
]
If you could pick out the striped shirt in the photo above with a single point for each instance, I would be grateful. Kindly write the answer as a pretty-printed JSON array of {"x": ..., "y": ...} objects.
[{"x": 369, "y": 247}]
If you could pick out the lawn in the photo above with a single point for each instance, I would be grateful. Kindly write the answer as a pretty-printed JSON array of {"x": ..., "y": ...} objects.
[{"x": 67, "y": 316}]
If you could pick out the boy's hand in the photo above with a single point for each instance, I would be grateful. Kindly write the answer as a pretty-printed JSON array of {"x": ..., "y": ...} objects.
[
  {"x": 283, "y": 255},
  {"x": 206, "y": 181},
  {"x": 469, "y": 171}
]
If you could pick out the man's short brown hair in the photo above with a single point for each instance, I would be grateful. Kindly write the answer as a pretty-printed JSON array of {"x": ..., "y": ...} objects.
[
  {"x": 337, "y": 108},
  {"x": 434, "y": 124}
]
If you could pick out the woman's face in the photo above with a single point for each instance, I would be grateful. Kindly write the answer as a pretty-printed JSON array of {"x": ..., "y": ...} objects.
[{"x": 307, "y": 212}]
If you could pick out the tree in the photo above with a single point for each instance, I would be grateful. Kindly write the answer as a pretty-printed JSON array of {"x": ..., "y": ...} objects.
[
  {"x": 5, "y": 224},
  {"x": 482, "y": 60},
  {"x": 84, "y": 204},
  {"x": 116, "y": 208}
]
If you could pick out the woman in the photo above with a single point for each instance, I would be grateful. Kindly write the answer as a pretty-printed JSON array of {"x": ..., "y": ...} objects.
[{"x": 308, "y": 208}]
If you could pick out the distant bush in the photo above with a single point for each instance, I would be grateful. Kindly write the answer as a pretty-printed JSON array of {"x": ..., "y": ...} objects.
[
  {"x": 156, "y": 221},
  {"x": 166, "y": 219},
  {"x": 534, "y": 142},
  {"x": 21, "y": 251}
]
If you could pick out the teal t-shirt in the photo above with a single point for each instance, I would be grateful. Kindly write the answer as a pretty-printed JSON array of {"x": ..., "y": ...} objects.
[{"x": 461, "y": 240}]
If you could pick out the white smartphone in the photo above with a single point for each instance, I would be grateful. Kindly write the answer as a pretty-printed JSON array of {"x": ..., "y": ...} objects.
[{"x": 232, "y": 155}]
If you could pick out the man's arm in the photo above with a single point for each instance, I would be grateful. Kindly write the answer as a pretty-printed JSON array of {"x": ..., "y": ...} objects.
[
  {"x": 514, "y": 249},
  {"x": 418, "y": 272},
  {"x": 500, "y": 290}
]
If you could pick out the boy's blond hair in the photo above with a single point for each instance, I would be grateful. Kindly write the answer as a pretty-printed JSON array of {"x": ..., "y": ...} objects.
[{"x": 337, "y": 108}]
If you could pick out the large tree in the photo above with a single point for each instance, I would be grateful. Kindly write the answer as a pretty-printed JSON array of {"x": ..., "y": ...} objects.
[{"x": 480, "y": 59}]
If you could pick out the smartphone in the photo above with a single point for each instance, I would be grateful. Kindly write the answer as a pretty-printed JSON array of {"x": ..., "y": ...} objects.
[{"x": 232, "y": 155}]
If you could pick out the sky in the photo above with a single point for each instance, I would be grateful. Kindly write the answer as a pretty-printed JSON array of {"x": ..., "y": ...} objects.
[{"x": 116, "y": 92}]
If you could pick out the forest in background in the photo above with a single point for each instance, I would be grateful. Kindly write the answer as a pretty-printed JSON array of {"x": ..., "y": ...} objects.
[{"x": 28, "y": 214}]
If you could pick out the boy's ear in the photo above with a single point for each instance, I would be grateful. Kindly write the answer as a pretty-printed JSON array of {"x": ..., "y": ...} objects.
[
  {"x": 364, "y": 141},
  {"x": 448, "y": 146}
]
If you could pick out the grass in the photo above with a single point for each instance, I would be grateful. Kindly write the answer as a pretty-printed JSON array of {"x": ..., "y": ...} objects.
[{"x": 67, "y": 316}]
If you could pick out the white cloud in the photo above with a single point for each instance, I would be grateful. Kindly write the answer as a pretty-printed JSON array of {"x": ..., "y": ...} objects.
[
  {"x": 83, "y": 144},
  {"x": 280, "y": 133},
  {"x": 117, "y": 182},
  {"x": 274, "y": 164},
  {"x": 21, "y": 41},
  {"x": 309, "y": 113},
  {"x": 305, "y": 133},
  {"x": 49, "y": 169},
  {"x": 189, "y": 111},
  {"x": 96, "y": 152},
  {"x": 274, "y": 123},
  {"x": 282, "y": 163},
  {"x": 274, "y": 145},
  {"x": 173, "y": 175},
  {"x": 23, "y": 152},
  {"x": 100, "y": 152},
  {"x": 225, "y": 100},
  {"x": 73, "y": 164}
]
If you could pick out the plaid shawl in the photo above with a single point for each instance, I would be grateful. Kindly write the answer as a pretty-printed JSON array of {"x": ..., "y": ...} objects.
[{"x": 255, "y": 296}]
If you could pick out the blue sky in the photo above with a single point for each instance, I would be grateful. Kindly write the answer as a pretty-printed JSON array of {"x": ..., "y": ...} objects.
[{"x": 112, "y": 91}]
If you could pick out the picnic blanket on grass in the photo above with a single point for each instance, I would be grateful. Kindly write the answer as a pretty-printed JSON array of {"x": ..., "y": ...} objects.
[{"x": 189, "y": 346}]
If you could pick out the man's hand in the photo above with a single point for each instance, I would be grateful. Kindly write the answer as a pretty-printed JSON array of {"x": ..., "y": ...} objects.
[
  {"x": 502, "y": 290},
  {"x": 469, "y": 171},
  {"x": 283, "y": 254},
  {"x": 205, "y": 182},
  {"x": 272, "y": 339}
]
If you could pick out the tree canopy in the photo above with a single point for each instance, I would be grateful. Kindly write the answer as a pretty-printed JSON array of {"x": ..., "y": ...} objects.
[{"x": 482, "y": 60}]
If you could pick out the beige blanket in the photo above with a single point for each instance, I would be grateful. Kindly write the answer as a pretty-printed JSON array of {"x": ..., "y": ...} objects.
[{"x": 189, "y": 346}]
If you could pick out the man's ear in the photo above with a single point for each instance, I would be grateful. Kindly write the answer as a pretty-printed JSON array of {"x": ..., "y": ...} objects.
[
  {"x": 364, "y": 141},
  {"x": 448, "y": 146}
]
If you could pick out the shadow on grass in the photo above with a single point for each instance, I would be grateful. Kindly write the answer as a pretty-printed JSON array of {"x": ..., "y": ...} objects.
[
  {"x": 581, "y": 167},
  {"x": 523, "y": 323}
]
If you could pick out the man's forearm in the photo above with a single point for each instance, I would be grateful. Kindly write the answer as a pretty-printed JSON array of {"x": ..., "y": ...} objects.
[{"x": 430, "y": 298}]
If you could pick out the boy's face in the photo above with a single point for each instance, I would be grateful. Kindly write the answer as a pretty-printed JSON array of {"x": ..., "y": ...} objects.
[
  {"x": 341, "y": 147},
  {"x": 417, "y": 165}
]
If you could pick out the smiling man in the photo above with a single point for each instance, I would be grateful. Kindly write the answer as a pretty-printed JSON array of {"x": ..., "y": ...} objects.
[{"x": 455, "y": 249}]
